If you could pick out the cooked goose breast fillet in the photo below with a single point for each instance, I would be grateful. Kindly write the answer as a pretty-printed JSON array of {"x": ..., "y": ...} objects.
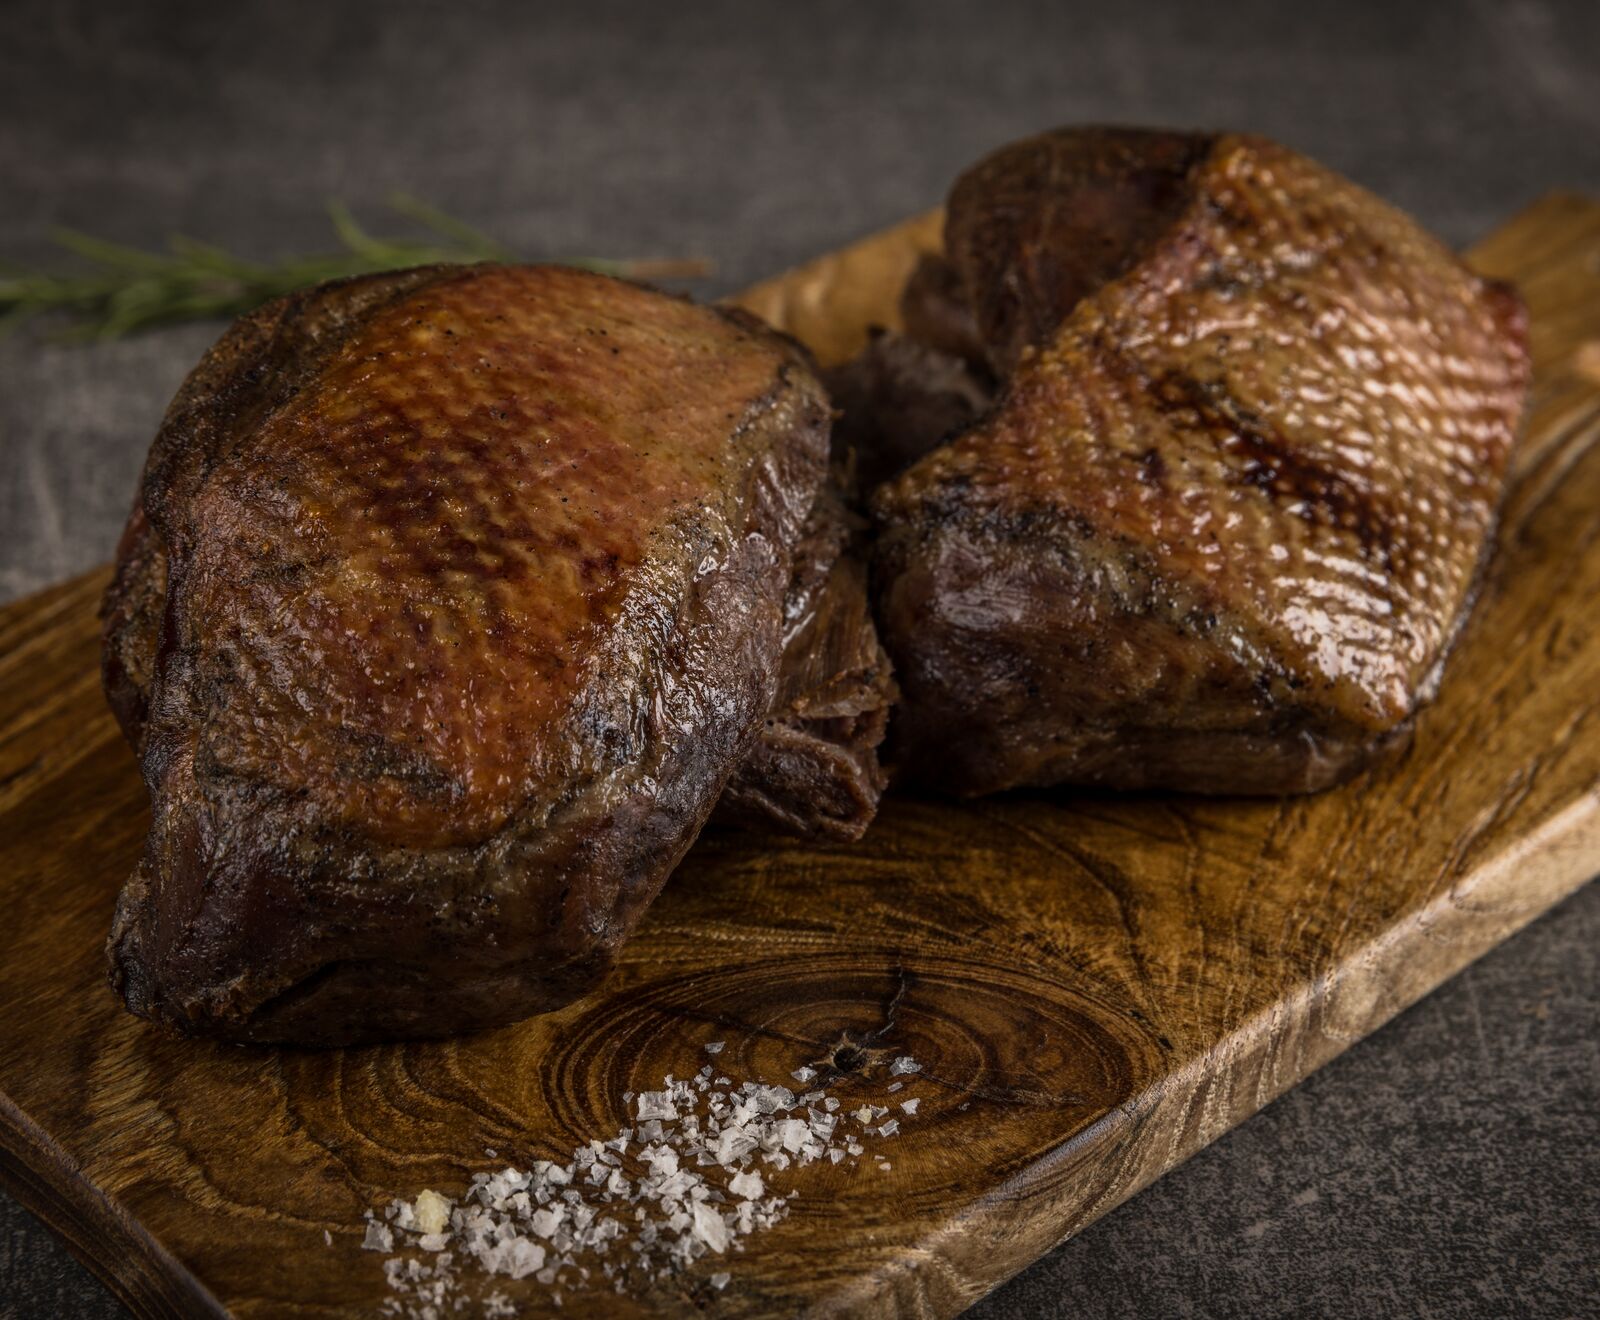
[
  {"x": 1222, "y": 525},
  {"x": 453, "y": 599}
]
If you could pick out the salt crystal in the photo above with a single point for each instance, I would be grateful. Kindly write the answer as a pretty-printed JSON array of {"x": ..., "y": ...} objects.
[
  {"x": 732, "y": 1144},
  {"x": 657, "y": 1105},
  {"x": 720, "y": 1281},
  {"x": 770, "y": 1099},
  {"x": 910, "y": 1106},
  {"x": 895, "y": 1086},
  {"x": 709, "y": 1228},
  {"x": 904, "y": 1064},
  {"x": 677, "y": 1216},
  {"x": 715, "y": 1046},
  {"x": 327, "y": 1238}
]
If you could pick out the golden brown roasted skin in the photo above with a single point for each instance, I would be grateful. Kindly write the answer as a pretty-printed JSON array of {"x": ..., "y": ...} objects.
[
  {"x": 1222, "y": 525},
  {"x": 452, "y": 601}
]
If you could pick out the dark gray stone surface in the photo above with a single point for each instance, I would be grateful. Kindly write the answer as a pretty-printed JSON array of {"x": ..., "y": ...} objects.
[{"x": 1446, "y": 1167}]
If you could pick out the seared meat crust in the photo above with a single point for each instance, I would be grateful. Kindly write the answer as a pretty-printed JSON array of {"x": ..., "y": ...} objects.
[
  {"x": 452, "y": 600},
  {"x": 1224, "y": 522}
]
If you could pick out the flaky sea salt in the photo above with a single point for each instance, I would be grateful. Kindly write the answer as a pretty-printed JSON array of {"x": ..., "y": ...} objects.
[
  {"x": 708, "y": 1226},
  {"x": 430, "y": 1212},
  {"x": 658, "y": 1105},
  {"x": 689, "y": 1180},
  {"x": 904, "y": 1064}
]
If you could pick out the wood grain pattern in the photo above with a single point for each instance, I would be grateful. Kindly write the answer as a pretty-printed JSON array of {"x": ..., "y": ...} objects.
[{"x": 1097, "y": 985}]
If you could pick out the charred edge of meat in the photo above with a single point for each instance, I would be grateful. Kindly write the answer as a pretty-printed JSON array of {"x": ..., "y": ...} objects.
[{"x": 1046, "y": 694}]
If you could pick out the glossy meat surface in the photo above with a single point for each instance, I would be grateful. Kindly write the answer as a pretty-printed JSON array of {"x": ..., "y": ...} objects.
[
  {"x": 1221, "y": 527},
  {"x": 453, "y": 600}
]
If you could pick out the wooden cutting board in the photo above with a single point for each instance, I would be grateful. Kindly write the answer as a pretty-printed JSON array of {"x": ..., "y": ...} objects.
[{"x": 1096, "y": 985}]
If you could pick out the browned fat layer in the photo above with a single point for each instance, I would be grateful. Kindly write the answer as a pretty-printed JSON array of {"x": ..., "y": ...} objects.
[
  {"x": 417, "y": 553},
  {"x": 1316, "y": 490}
]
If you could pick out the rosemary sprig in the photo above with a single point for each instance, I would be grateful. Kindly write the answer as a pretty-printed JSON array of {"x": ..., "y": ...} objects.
[{"x": 124, "y": 289}]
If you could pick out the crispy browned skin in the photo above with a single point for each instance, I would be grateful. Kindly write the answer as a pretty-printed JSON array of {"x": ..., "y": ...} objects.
[
  {"x": 1223, "y": 524},
  {"x": 814, "y": 771},
  {"x": 453, "y": 599}
]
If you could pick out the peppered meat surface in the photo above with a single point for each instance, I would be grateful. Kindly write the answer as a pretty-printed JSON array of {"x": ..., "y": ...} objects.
[
  {"x": 451, "y": 602},
  {"x": 1226, "y": 516},
  {"x": 814, "y": 769}
]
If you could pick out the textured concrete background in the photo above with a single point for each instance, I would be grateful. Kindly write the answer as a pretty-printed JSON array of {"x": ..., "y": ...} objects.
[{"x": 1446, "y": 1167}]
